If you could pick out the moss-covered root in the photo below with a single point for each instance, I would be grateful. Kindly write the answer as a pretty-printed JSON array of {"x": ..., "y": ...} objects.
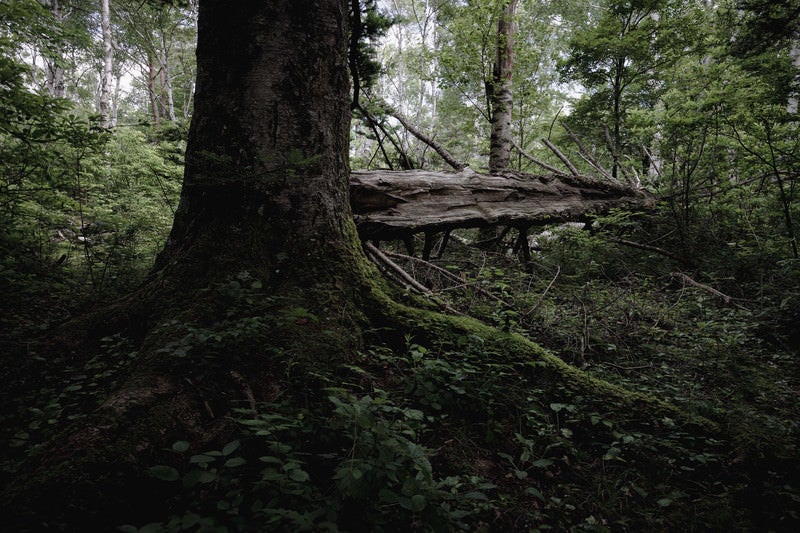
[{"x": 541, "y": 367}]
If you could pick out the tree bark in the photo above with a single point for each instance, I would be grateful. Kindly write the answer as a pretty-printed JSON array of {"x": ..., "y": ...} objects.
[
  {"x": 53, "y": 65},
  {"x": 501, "y": 95},
  {"x": 106, "y": 79},
  {"x": 151, "y": 89},
  {"x": 258, "y": 165}
]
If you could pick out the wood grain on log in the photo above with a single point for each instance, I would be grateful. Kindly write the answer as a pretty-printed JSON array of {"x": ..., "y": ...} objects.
[{"x": 390, "y": 205}]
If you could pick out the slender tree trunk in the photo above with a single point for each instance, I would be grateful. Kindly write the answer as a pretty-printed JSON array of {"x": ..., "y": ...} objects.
[
  {"x": 501, "y": 94},
  {"x": 54, "y": 68},
  {"x": 617, "y": 117},
  {"x": 115, "y": 101},
  {"x": 106, "y": 80},
  {"x": 166, "y": 81},
  {"x": 151, "y": 86}
]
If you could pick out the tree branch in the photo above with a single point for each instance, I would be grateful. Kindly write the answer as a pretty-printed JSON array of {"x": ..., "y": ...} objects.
[
  {"x": 562, "y": 157},
  {"x": 441, "y": 150},
  {"x": 539, "y": 162}
]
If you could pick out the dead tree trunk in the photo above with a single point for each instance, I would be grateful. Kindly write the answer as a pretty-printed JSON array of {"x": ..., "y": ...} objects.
[{"x": 394, "y": 205}]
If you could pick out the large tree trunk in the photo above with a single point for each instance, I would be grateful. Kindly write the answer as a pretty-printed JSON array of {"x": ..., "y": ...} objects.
[
  {"x": 261, "y": 171},
  {"x": 265, "y": 195}
]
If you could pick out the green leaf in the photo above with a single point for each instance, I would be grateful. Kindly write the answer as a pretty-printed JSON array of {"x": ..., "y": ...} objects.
[
  {"x": 665, "y": 502},
  {"x": 164, "y": 473},
  {"x": 418, "y": 503},
  {"x": 235, "y": 461},
  {"x": 231, "y": 447},
  {"x": 298, "y": 475},
  {"x": 180, "y": 446},
  {"x": 533, "y": 491}
]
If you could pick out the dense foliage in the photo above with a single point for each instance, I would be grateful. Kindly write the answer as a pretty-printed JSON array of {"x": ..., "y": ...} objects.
[{"x": 695, "y": 302}]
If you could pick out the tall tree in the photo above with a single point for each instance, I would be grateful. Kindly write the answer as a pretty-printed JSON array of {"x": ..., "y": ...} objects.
[
  {"x": 107, "y": 76},
  {"x": 54, "y": 63},
  {"x": 500, "y": 89},
  {"x": 619, "y": 60}
]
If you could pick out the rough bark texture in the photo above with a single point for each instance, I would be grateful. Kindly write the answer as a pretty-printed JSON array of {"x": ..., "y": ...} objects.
[
  {"x": 501, "y": 94},
  {"x": 391, "y": 205},
  {"x": 267, "y": 172}
]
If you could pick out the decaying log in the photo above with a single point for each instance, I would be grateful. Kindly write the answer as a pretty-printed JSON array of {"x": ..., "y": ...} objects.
[{"x": 392, "y": 205}]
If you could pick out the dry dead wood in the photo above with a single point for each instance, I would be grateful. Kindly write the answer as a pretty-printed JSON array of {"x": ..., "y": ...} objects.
[{"x": 393, "y": 205}]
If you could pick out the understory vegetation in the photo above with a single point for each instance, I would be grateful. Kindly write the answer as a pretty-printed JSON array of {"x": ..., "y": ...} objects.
[{"x": 454, "y": 431}]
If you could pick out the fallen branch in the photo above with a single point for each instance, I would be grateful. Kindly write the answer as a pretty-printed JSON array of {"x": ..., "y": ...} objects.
[
  {"x": 404, "y": 277},
  {"x": 647, "y": 247},
  {"x": 562, "y": 157},
  {"x": 395, "y": 268},
  {"x": 446, "y": 273},
  {"x": 586, "y": 154},
  {"x": 728, "y": 300},
  {"x": 539, "y": 162},
  {"x": 441, "y": 150}
]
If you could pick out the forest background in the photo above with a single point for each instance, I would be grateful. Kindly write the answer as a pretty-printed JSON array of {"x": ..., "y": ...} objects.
[{"x": 695, "y": 301}]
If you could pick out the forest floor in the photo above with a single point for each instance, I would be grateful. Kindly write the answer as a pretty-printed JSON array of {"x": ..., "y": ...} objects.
[{"x": 458, "y": 436}]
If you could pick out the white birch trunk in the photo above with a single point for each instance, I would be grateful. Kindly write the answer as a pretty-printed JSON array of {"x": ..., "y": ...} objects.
[
  {"x": 166, "y": 78},
  {"x": 54, "y": 70},
  {"x": 106, "y": 80}
]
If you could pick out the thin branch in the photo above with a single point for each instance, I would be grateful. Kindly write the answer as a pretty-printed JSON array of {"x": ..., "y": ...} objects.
[
  {"x": 453, "y": 277},
  {"x": 541, "y": 298},
  {"x": 396, "y": 269},
  {"x": 728, "y": 300},
  {"x": 539, "y": 162},
  {"x": 562, "y": 157},
  {"x": 653, "y": 162},
  {"x": 647, "y": 247},
  {"x": 616, "y": 157},
  {"x": 373, "y": 124},
  {"x": 441, "y": 150},
  {"x": 587, "y": 155}
]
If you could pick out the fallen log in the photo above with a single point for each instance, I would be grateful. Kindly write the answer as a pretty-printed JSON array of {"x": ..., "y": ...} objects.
[{"x": 391, "y": 205}]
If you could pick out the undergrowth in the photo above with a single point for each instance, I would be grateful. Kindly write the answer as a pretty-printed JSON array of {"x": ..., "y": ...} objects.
[{"x": 433, "y": 433}]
